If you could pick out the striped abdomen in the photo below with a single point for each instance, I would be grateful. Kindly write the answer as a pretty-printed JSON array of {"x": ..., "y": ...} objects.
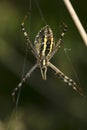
[{"x": 44, "y": 42}]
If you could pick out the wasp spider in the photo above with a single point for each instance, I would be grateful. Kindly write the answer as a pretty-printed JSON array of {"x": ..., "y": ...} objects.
[{"x": 44, "y": 49}]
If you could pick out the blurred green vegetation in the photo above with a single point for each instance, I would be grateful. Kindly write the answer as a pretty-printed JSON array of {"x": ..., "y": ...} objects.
[{"x": 43, "y": 105}]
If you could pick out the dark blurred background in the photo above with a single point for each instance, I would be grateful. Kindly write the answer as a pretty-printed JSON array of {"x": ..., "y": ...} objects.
[{"x": 50, "y": 104}]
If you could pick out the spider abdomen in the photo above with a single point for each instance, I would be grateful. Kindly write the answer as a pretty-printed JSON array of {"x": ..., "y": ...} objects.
[{"x": 44, "y": 42}]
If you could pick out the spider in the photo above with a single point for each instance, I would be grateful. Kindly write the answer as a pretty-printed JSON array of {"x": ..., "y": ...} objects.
[{"x": 44, "y": 49}]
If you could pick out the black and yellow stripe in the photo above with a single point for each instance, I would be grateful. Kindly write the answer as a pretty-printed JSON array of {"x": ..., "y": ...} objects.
[{"x": 44, "y": 42}]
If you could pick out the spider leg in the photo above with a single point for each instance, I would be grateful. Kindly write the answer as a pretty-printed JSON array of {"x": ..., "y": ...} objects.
[
  {"x": 67, "y": 80},
  {"x": 59, "y": 42},
  {"x": 23, "y": 80},
  {"x": 27, "y": 37}
]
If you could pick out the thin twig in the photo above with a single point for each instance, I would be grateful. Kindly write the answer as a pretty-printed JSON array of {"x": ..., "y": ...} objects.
[{"x": 76, "y": 21}]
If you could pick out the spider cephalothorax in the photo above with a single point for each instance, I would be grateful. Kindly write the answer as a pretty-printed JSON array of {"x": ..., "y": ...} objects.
[{"x": 44, "y": 49}]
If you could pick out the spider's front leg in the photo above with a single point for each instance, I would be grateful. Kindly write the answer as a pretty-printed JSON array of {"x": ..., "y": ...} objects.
[
  {"x": 67, "y": 80},
  {"x": 59, "y": 42},
  {"x": 23, "y": 80},
  {"x": 27, "y": 38}
]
